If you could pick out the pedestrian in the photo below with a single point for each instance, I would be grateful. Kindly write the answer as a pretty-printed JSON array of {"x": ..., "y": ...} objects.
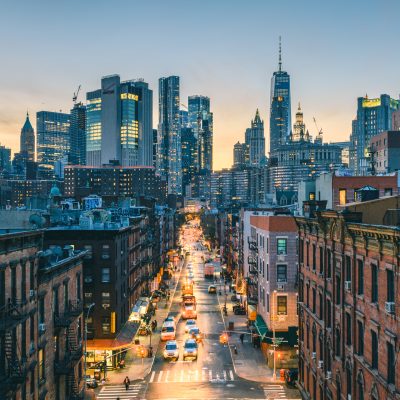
[
  {"x": 241, "y": 337},
  {"x": 127, "y": 382}
]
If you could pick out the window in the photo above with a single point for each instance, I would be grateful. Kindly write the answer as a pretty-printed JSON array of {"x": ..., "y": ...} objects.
[
  {"x": 32, "y": 275},
  {"x": 41, "y": 364},
  {"x": 321, "y": 260},
  {"x": 88, "y": 298},
  {"x": 308, "y": 253},
  {"x": 348, "y": 268},
  {"x": 105, "y": 300},
  {"x": 390, "y": 285},
  {"x": 321, "y": 307},
  {"x": 89, "y": 250},
  {"x": 267, "y": 272},
  {"x": 391, "y": 367},
  {"x": 267, "y": 302},
  {"x": 301, "y": 250},
  {"x": 348, "y": 329},
  {"x": 308, "y": 294},
  {"x": 338, "y": 289},
  {"x": 282, "y": 246},
  {"x": 374, "y": 349},
  {"x": 281, "y": 273},
  {"x": 337, "y": 342},
  {"x": 282, "y": 305},
  {"x": 105, "y": 325},
  {"x": 388, "y": 191},
  {"x": 329, "y": 264},
  {"x": 348, "y": 381},
  {"x": 56, "y": 307},
  {"x": 105, "y": 275},
  {"x": 374, "y": 283},
  {"x": 314, "y": 300},
  {"x": 360, "y": 330},
  {"x": 23, "y": 282},
  {"x": 66, "y": 296},
  {"x": 105, "y": 251},
  {"x": 314, "y": 261},
  {"x": 342, "y": 196},
  {"x": 328, "y": 314},
  {"x": 78, "y": 286},
  {"x": 41, "y": 310},
  {"x": 360, "y": 276}
]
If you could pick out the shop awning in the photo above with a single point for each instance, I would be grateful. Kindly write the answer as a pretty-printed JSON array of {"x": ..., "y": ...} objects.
[{"x": 261, "y": 327}]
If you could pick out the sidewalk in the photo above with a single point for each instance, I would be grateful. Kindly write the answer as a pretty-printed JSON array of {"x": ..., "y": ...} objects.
[
  {"x": 137, "y": 368},
  {"x": 249, "y": 363}
]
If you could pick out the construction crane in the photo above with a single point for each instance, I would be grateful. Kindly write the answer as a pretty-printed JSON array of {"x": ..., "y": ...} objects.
[
  {"x": 75, "y": 96},
  {"x": 318, "y": 130},
  {"x": 184, "y": 106}
]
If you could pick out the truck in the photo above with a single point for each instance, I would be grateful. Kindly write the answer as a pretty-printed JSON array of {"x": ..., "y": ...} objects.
[{"x": 209, "y": 271}]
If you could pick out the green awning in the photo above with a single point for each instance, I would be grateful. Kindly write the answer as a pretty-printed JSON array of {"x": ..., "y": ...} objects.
[{"x": 261, "y": 327}]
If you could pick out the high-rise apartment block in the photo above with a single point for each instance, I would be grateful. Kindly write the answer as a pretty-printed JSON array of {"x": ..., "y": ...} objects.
[
  {"x": 169, "y": 163},
  {"x": 77, "y": 151},
  {"x": 53, "y": 140},
  {"x": 189, "y": 158},
  {"x": 119, "y": 123},
  {"x": 373, "y": 117}
]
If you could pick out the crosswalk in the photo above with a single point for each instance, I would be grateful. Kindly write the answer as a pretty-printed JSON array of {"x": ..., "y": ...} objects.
[
  {"x": 189, "y": 375},
  {"x": 118, "y": 391},
  {"x": 277, "y": 391}
]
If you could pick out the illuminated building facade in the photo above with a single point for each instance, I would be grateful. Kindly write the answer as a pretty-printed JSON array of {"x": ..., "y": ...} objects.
[
  {"x": 189, "y": 158},
  {"x": 169, "y": 164},
  {"x": 373, "y": 117},
  {"x": 119, "y": 123},
  {"x": 280, "y": 108},
  {"x": 52, "y": 140},
  {"x": 240, "y": 155},
  {"x": 27, "y": 140}
]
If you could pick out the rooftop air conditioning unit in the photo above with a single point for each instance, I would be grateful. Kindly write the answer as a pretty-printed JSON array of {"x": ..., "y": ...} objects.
[
  {"x": 389, "y": 307},
  {"x": 347, "y": 285}
]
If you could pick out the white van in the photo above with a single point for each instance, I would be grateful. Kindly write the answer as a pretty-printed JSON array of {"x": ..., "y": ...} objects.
[{"x": 168, "y": 331}]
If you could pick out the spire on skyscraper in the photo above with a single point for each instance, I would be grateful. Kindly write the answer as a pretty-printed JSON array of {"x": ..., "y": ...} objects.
[{"x": 280, "y": 54}]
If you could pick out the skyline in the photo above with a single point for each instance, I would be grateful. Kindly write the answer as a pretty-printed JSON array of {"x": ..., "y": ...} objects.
[{"x": 226, "y": 51}]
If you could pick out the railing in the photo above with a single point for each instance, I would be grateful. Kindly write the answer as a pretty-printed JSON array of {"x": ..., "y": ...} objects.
[
  {"x": 252, "y": 260},
  {"x": 11, "y": 314},
  {"x": 73, "y": 311},
  {"x": 64, "y": 366}
]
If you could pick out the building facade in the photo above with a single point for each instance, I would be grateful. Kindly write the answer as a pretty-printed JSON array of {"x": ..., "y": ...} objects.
[
  {"x": 169, "y": 164},
  {"x": 189, "y": 159},
  {"x": 27, "y": 140},
  {"x": 257, "y": 142},
  {"x": 385, "y": 150},
  {"x": 373, "y": 117},
  {"x": 53, "y": 143},
  {"x": 77, "y": 135},
  {"x": 348, "y": 289}
]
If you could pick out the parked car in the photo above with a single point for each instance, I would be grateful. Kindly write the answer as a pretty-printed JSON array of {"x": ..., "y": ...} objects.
[
  {"x": 212, "y": 289},
  {"x": 291, "y": 376}
]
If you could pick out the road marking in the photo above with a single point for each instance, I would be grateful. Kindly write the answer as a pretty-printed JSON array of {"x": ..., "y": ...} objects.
[
  {"x": 231, "y": 375},
  {"x": 152, "y": 376},
  {"x": 182, "y": 377},
  {"x": 210, "y": 374},
  {"x": 225, "y": 377},
  {"x": 167, "y": 376},
  {"x": 160, "y": 376}
]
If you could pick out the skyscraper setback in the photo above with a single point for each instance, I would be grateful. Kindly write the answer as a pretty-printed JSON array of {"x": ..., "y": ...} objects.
[
  {"x": 280, "y": 112},
  {"x": 169, "y": 163},
  {"x": 119, "y": 123}
]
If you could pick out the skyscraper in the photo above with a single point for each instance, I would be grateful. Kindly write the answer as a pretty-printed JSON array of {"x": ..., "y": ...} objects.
[
  {"x": 189, "y": 158},
  {"x": 119, "y": 123},
  {"x": 257, "y": 141},
  {"x": 239, "y": 155},
  {"x": 5, "y": 160},
  {"x": 280, "y": 110},
  {"x": 201, "y": 121},
  {"x": 27, "y": 140},
  {"x": 299, "y": 128},
  {"x": 169, "y": 163},
  {"x": 373, "y": 116},
  {"x": 53, "y": 141},
  {"x": 77, "y": 152}
]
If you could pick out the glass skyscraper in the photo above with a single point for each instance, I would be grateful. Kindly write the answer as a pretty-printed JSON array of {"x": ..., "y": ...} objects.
[
  {"x": 373, "y": 116},
  {"x": 119, "y": 123},
  {"x": 77, "y": 152},
  {"x": 169, "y": 164},
  {"x": 280, "y": 108},
  {"x": 53, "y": 140}
]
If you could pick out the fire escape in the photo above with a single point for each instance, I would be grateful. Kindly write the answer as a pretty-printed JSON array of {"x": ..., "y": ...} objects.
[
  {"x": 252, "y": 278},
  {"x": 13, "y": 364},
  {"x": 73, "y": 352}
]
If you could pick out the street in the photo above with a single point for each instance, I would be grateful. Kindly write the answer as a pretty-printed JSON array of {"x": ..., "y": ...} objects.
[{"x": 212, "y": 375}]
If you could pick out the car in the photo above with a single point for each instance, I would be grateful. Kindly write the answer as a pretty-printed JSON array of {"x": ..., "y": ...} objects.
[
  {"x": 171, "y": 351},
  {"x": 91, "y": 383},
  {"x": 170, "y": 318},
  {"x": 212, "y": 289},
  {"x": 190, "y": 323},
  {"x": 190, "y": 349},
  {"x": 144, "y": 329},
  {"x": 291, "y": 376}
]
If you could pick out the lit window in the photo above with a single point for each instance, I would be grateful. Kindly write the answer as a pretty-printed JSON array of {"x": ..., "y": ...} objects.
[
  {"x": 342, "y": 196},
  {"x": 282, "y": 246},
  {"x": 281, "y": 305}
]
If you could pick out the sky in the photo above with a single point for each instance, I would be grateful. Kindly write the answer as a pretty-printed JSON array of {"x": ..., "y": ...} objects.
[{"x": 225, "y": 49}]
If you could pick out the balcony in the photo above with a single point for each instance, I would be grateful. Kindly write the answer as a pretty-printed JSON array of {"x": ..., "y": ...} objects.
[
  {"x": 11, "y": 314},
  {"x": 64, "y": 366},
  {"x": 252, "y": 243},
  {"x": 253, "y": 271},
  {"x": 73, "y": 311},
  {"x": 252, "y": 260}
]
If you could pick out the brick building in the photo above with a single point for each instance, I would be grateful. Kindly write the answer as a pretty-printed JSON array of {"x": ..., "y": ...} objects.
[
  {"x": 348, "y": 289},
  {"x": 38, "y": 359},
  {"x": 385, "y": 148}
]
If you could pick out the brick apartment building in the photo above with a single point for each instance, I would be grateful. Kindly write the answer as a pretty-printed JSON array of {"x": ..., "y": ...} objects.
[
  {"x": 385, "y": 148},
  {"x": 348, "y": 314},
  {"x": 40, "y": 345}
]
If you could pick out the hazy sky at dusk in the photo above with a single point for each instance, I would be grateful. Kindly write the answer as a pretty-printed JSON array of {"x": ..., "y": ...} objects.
[{"x": 224, "y": 49}]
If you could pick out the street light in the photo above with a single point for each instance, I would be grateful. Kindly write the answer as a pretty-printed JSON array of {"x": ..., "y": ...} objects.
[{"x": 86, "y": 331}]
